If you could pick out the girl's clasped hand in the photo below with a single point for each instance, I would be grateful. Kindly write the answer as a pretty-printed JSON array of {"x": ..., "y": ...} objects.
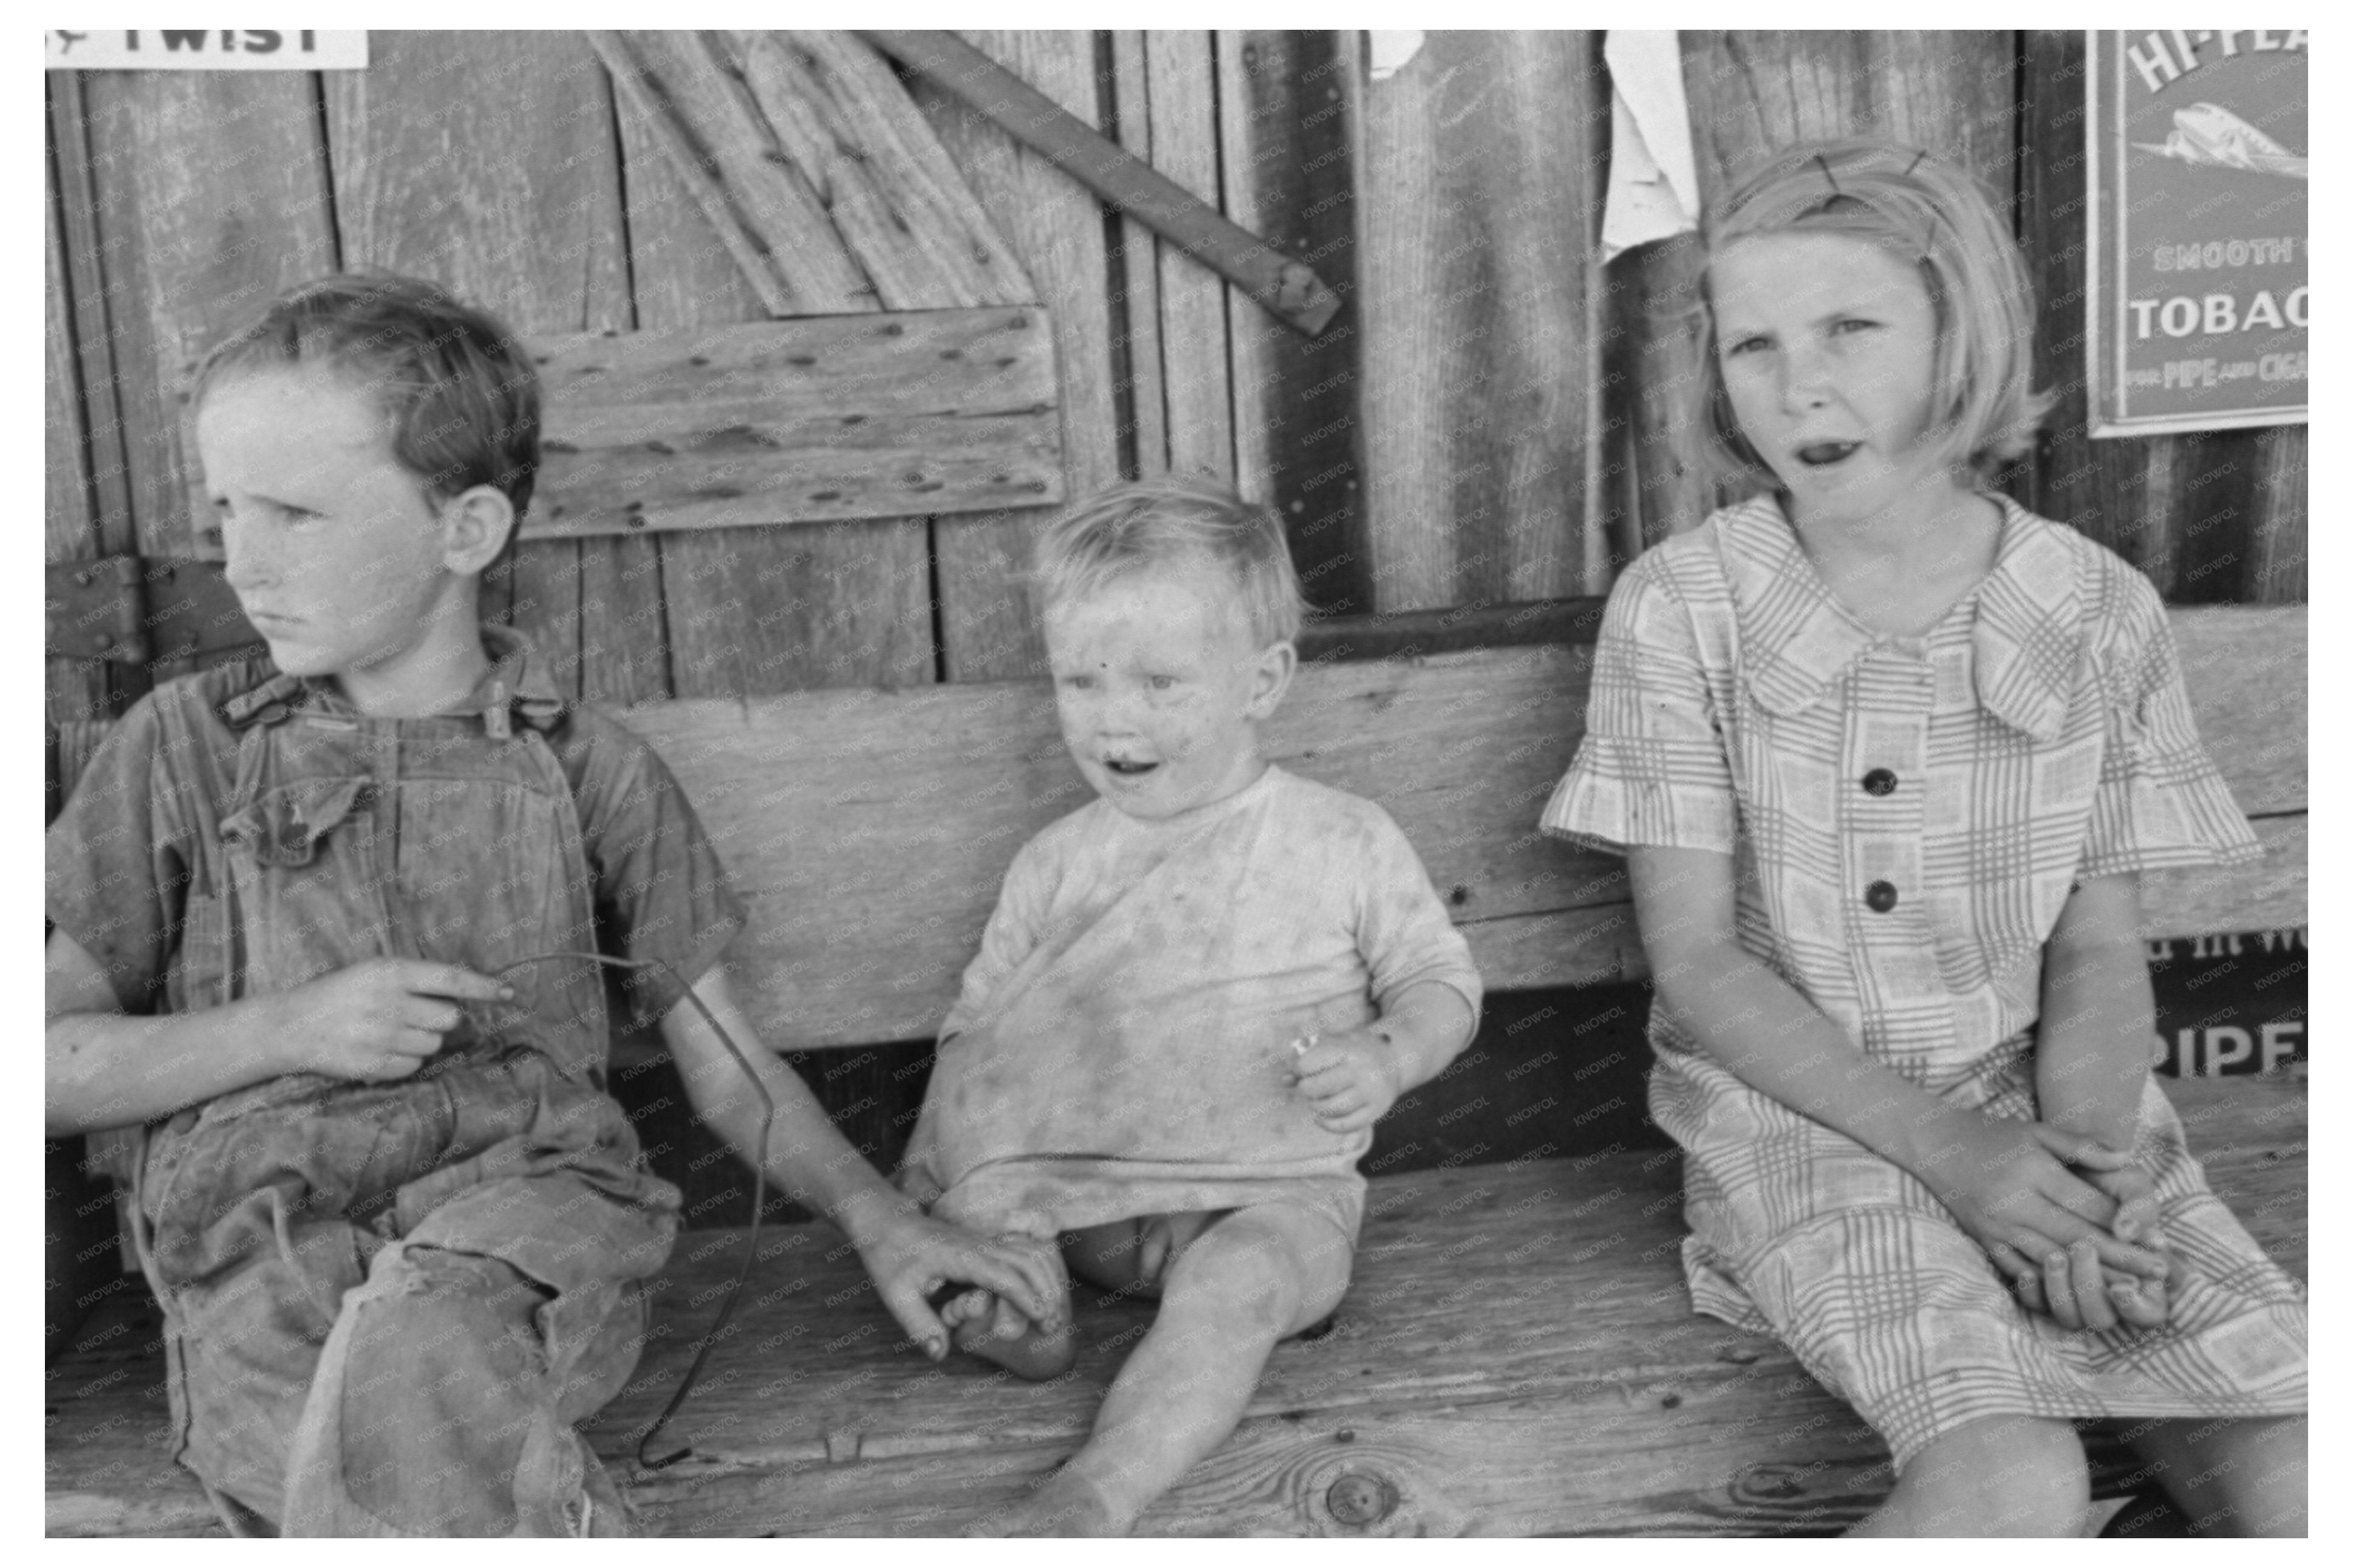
[{"x": 2068, "y": 1221}]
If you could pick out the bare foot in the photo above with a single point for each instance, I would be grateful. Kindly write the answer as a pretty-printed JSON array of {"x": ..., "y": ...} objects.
[
  {"x": 993, "y": 1329},
  {"x": 1065, "y": 1504}
]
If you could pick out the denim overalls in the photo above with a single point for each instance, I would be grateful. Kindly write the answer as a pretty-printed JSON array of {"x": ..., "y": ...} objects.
[{"x": 386, "y": 1304}]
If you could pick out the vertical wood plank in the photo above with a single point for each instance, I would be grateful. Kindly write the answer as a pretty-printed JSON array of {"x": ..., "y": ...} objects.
[
  {"x": 1286, "y": 128},
  {"x": 485, "y": 162},
  {"x": 989, "y": 629},
  {"x": 91, "y": 308},
  {"x": 760, "y": 609},
  {"x": 1195, "y": 304},
  {"x": 1176, "y": 307},
  {"x": 752, "y": 610},
  {"x": 211, "y": 197},
  {"x": 1138, "y": 351},
  {"x": 1750, "y": 93},
  {"x": 1250, "y": 337},
  {"x": 1474, "y": 211},
  {"x": 75, "y": 688},
  {"x": 2283, "y": 517}
]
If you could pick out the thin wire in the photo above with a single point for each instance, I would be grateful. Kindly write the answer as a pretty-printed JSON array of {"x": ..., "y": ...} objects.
[{"x": 759, "y": 1186}]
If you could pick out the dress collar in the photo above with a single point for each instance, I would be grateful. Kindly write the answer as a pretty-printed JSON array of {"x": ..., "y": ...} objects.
[
  {"x": 518, "y": 683},
  {"x": 2025, "y": 630}
]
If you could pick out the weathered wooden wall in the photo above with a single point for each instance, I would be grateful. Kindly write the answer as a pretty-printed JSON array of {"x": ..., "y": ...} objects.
[{"x": 1491, "y": 418}]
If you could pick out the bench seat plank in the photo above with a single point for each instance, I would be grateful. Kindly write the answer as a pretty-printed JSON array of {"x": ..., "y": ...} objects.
[{"x": 1517, "y": 1356}]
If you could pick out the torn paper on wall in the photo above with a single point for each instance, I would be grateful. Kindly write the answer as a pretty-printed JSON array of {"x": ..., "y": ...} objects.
[
  {"x": 1653, "y": 180},
  {"x": 1390, "y": 52}
]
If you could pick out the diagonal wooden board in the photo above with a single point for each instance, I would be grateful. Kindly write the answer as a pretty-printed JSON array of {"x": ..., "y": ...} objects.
[{"x": 1517, "y": 1356}]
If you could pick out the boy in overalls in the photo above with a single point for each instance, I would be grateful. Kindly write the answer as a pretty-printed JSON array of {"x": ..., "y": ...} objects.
[{"x": 302, "y": 912}]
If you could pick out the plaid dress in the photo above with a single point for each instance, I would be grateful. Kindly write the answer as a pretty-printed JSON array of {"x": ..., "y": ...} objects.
[{"x": 1907, "y": 816}]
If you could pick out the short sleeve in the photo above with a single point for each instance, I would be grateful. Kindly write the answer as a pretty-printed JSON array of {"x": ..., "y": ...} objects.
[
  {"x": 117, "y": 869},
  {"x": 1652, "y": 768},
  {"x": 2160, "y": 802},
  {"x": 1402, "y": 930},
  {"x": 1009, "y": 937},
  {"x": 660, "y": 890}
]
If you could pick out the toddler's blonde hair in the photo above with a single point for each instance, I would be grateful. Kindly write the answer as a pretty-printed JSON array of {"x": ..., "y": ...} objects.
[{"x": 1173, "y": 519}]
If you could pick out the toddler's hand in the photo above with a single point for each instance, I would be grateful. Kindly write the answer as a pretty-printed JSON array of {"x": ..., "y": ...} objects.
[
  {"x": 1351, "y": 1077},
  {"x": 379, "y": 1020}
]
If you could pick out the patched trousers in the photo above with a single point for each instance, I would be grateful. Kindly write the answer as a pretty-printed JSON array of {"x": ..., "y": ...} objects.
[{"x": 387, "y": 1305}]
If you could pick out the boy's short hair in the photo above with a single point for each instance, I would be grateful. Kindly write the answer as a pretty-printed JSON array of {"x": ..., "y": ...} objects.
[
  {"x": 1173, "y": 518},
  {"x": 1932, "y": 214},
  {"x": 459, "y": 391}
]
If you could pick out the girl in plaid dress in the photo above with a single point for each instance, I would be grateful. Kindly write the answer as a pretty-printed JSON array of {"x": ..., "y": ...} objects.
[{"x": 1884, "y": 751}]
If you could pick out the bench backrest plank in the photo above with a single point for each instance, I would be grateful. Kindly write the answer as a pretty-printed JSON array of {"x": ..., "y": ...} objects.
[{"x": 869, "y": 829}]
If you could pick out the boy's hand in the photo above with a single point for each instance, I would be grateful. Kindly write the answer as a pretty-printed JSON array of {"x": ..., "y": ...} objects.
[
  {"x": 911, "y": 1255},
  {"x": 379, "y": 1020},
  {"x": 1351, "y": 1078}
]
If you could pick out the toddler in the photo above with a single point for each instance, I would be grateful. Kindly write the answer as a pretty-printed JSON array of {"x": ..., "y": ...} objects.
[{"x": 1196, "y": 995}]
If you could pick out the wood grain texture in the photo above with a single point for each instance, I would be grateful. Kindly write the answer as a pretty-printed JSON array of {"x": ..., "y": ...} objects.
[
  {"x": 893, "y": 196},
  {"x": 1479, "y": 205},
  {"x": 2271, "y": 895},
  {"x": 2277, "y": 570},
  {"x": 509, "y": 194},
  {"x": 190, "y": 247},
  {"x": 750, "y": 609},
  {"x": 2247, "y": 671},
  {"x": 1196, "y": 306},
  {"x": 944, "y": 784},
  {"x": 1516, "y": 1355},
  {"x": 74, "y": 689},
  {"x": 91, "y": 306},
  {"x": 1285, "y": 287},
  {"x": 693, "y": 89},
  {"x": 1461, "y": 749},
  {"x": 989, "y": 626},
  {"x": 1250, "y": 342},
  {"x": 1286, "y": 109},
  {"x": 803, "y": 421},
  {"x": 1177, "y": 356},
  {"x": 1177, "y": 313},
  {"x": 1140, "y": 381}
]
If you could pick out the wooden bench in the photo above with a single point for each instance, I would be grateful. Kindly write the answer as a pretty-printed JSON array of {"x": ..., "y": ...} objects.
[{"x": 1516, "y": 1355}]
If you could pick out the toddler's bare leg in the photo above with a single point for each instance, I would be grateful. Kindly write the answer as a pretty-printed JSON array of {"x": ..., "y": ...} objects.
[{"x": 1247, "y": 1281}]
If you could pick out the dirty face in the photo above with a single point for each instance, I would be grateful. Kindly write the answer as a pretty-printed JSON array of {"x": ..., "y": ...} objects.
[
  {"x": 1160, "y": 689},
  {"x": 333, "y": 551},
  {"x": 1827, "y": 344}
]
